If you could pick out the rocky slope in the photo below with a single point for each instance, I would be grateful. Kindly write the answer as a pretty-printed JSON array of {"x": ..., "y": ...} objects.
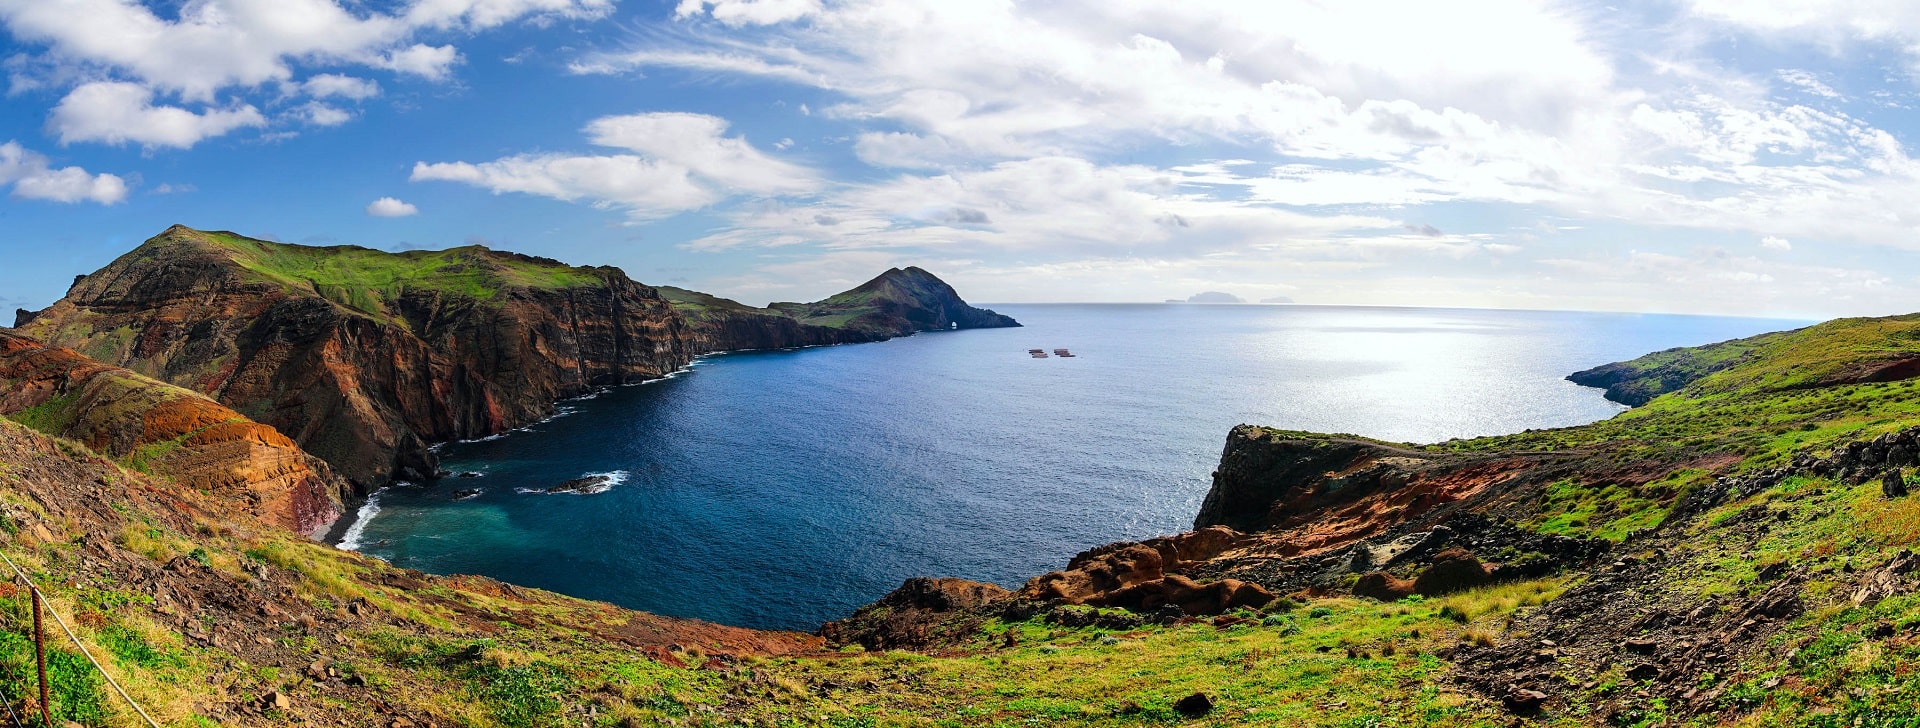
[
  {"x": 1735, "y": 549},
  {"x": 179, "y": 435},
  {"x": 366, "y": 357}
]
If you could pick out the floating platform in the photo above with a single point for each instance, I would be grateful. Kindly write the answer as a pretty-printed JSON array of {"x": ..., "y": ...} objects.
[{"x": 1062, "y": 352}]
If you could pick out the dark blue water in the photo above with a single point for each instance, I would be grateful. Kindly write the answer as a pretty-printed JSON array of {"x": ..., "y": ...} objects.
[{"x": 787, "y": 488}]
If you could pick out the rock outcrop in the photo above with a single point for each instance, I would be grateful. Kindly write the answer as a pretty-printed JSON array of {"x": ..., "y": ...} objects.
[
  {"x": 366, "y": 357},
  {"x": 922, "y": 612},
  {"x": 1326, "y": 491},
  {"x": 184, "y": 436},
  {"x": 1145, "y": 576}
]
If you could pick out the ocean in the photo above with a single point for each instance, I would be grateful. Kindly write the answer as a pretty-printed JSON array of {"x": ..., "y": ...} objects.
[{"x": 784, "y": 489}]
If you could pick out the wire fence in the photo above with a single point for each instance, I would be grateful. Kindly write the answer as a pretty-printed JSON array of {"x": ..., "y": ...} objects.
[{"x": 40, "y": 604}]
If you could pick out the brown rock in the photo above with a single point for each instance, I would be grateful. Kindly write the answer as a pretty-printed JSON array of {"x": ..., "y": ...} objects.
[
  {"x": 1453, "y": 570},
  {"x": 1383, "y": 586},
  {"x": 276, "y": 700},
  {"x": 1095, "y": 573},
  {"x": 1524, "y": 701},
  {"x": 1193, "y": 547},
  {"x": 250, "y": 467}
]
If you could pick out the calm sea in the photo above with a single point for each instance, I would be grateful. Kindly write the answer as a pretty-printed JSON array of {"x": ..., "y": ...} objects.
[{"x": 783, "y": 489}]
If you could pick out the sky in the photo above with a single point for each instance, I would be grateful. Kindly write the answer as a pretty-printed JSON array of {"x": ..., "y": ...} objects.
[{"x": 1739, "y": 157}]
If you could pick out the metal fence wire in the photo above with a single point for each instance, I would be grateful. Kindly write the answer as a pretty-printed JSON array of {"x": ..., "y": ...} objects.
[{"x": 40, "y": 604}]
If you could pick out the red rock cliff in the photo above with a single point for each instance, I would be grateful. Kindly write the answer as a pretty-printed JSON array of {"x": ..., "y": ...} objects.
[
  {"x": 366, "y": 357},
  {"x": 192, "y": 441}
]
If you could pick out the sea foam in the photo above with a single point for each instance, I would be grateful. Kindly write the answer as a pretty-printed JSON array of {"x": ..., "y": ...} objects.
[{"x": 351, "y": 540}]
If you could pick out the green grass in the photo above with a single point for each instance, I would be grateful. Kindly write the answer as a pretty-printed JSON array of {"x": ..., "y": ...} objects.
[
  {"x": 51, "y": 417},
  {"x": 371, "y": 281}
]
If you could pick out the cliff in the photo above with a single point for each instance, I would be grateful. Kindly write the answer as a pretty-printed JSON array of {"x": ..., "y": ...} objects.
[
  {"x": 181, "y": 436},
  {"x": 366, "y": 357}
]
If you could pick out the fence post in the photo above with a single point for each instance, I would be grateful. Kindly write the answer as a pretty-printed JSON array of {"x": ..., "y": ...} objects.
[{"x": 40, "y": 655}]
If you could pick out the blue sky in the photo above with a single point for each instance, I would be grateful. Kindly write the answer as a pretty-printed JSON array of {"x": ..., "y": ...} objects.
[{"x": 1748, "y": 157}]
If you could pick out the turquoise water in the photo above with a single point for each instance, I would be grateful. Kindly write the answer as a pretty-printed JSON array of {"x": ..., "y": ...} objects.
[{"x": 783, "y": 489}]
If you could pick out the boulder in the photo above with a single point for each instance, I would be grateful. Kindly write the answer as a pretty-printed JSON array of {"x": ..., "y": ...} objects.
[
  {"x": 1383, "y": 586},
  {"x": 1194, "y": 706},
  {"x": 1453, "y": 570},
  {"x": 1893, "y": 485}
]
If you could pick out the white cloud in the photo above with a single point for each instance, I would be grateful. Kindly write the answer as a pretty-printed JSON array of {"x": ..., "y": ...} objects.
[
  {"x": 683, "y": 162},
  {"x": 214, "y": 44},
  {"x": 696, "y": 142},
  {"x": 737, "y": 13},
  {"x": 33, "y": 177},
  {"x": 330, "y": 85},
  {"x": 391, "y": 207},
  {"x": 1807, "y": 82},
  {"x": 119, "y": 112},
  {"x": 1008, "y": 81},
  {"x": 434, "y": 63},
  {"x": 196, "y": 50},
  {"x": 646, "y": 188},
  {"x": 1771, "y": 242},
  {"x": 319, "y": 114}
]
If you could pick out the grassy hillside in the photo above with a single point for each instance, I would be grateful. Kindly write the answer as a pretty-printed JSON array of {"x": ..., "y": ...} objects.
[
  {"x": 371, "y": 279},
  {"x": 474, "y": 652}
]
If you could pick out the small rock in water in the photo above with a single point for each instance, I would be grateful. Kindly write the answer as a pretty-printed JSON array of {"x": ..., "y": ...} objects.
[
  {"x": 465, "y": 493},
  {"x": 469, "y": 474},
  {"x": 581, "y": 485}
]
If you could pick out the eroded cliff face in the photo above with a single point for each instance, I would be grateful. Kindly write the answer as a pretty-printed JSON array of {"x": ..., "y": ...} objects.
[
  {"x": 365, "y": 367},
  {"x": 195, "y": 443},
  {"x": 366, "y": 357}
]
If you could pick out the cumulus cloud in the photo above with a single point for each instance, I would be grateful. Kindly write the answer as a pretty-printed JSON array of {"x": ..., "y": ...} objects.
[
  {"x": 1771, "y": 242},
  {"x": 319, "y": 114},
  {"x": 215, "y": 44},
  {"x": 681, "y": 162},
  {"x": 430, "y": 62},
  {"x": 119, "y": 112},
  {"x": 391, "y": 207},
  {"x": 330, "y": 85},
  {"x": 206, "y": 47},
  {"x": 33, "y": 177}
]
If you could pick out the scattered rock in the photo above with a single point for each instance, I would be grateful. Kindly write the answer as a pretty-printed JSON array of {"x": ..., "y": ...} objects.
[
  {"x": 1893, "y": 485},
  {"x": 918, "y": 613},
  {"x": 1524, "y": 701},
  {"x": 1194, "y": 706},
  {"x": 276, "y": 700}
]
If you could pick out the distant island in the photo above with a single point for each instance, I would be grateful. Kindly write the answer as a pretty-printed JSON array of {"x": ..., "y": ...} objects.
[{"x": 1214, "y": 297}]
